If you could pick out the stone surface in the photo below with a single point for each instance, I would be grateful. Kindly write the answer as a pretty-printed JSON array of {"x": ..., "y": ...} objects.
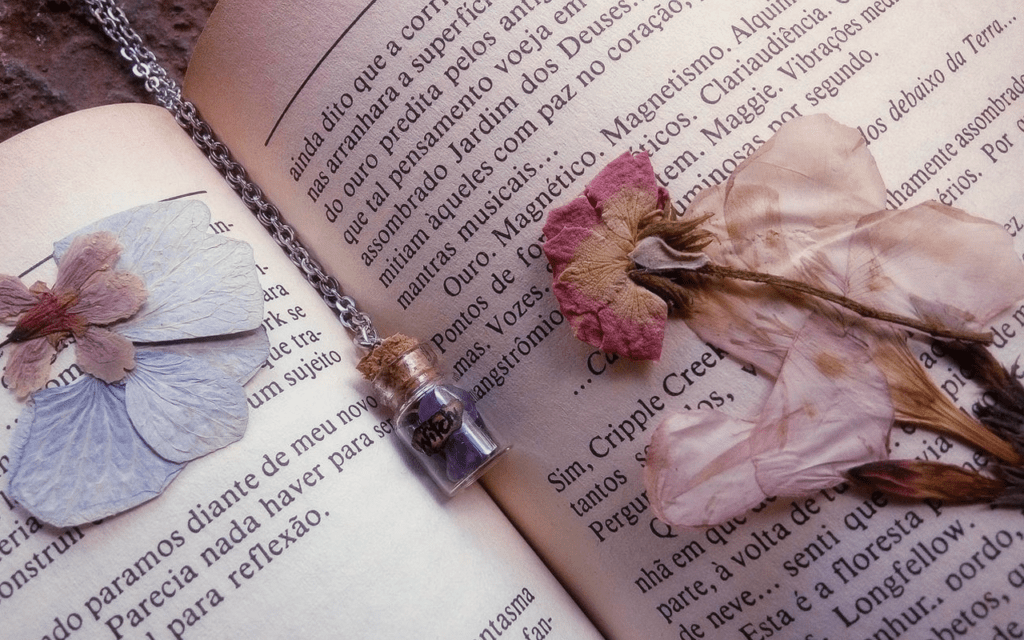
[{"x": 54, "y": 59}]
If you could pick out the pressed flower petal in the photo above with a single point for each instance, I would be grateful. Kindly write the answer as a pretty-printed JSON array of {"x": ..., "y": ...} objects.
[
  {"x": 76, "y": 458},
  {"x": 629, "y": 172},
  {"x": 28, "y": 367},
  {"x": 565, "y": 229},
  {"x": 754, "y": 235},
  {"x": 633, "y": 327},
  {"x": 86, "y": 255},
  {"x": 562, "y": 248},
  {"x": 182, "y": 407},
  {"x": 15, "y": 298},
  {"x": 625, "y": 213},
  {"x": 747, "y": 321},
  {"x": 936, "y": 263},
  {"x": 581, "y": 312},
  {"x": 213, "y": 293},
  {"x": 812, "y": 174},
  {"x": 828, "y": 411},
  {"x": 104, "y": 354},
  {"x": 108, "y": 297},
  {"x": 199, "y": 284},
  {"x": 699, "y": 470},
  {"x": 638, "y": 333},
  {"x": 599, "y": 265}
]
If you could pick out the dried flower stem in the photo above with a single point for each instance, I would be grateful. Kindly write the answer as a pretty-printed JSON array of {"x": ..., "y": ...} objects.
[
  {"x": 647, "y": 278},
  {"x": 858, "y": 308}
]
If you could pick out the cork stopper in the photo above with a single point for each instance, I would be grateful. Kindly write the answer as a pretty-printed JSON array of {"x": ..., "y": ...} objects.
[
  {"x": 398, "y": 367},
  {"x": 390, "y": 348}
]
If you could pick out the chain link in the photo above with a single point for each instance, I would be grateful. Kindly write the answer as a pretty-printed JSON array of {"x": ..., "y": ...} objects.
[{"x": 168, "y": 94}]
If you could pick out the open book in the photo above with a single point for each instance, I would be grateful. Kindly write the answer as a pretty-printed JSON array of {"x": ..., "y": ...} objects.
[{"x": 416, "y": 147}]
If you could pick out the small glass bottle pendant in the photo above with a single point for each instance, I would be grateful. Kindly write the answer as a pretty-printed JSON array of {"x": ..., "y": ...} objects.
[{"x": 437, "y": 420}]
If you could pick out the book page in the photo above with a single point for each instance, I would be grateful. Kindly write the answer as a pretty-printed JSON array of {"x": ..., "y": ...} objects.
[
  {"x": 316, "y": 524},
  {"x": 418, "y": 148}
]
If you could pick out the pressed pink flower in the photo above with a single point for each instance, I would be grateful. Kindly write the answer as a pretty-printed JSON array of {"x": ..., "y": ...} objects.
[
  {"x": 809, "y": 206},
  {"x": 795, "y": 266},
  {"x": 588, "y": 244},
  {"x": 87, "y": 296}
]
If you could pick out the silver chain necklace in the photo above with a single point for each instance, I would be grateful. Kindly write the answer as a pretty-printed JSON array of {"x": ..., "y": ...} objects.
[{"x": 168, "y": 94}]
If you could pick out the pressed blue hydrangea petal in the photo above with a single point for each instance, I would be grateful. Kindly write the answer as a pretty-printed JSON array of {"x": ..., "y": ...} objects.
[
  {"x": 182, "y": 407},
  {"x": 199, "y": 284},
  {"x": 76, "y": 457},
  {"x": 240, "y": 355}
]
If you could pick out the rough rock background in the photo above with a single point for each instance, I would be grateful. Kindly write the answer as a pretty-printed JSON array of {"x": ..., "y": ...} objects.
[{"x": 54, "y": 59}]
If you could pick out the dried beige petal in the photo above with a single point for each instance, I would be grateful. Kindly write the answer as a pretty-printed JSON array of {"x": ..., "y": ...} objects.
[
  {"x": 828, "y": 411},
  {"x": 811, "y": 175}
]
